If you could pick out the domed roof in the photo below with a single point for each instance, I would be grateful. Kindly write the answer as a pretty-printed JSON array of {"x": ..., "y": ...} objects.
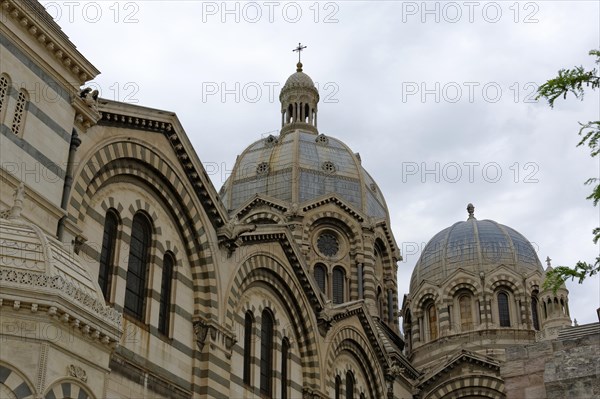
[
  {"x": 36, "y": 267},
  {"x": 299, "y": 79},
  {"x": 300, "y": 166},
  {"x": 474, "y": 246}
]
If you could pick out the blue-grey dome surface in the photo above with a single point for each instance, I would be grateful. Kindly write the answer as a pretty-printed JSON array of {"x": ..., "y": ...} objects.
[
  {"x": 474, "y": 246},
  {"x": 300, "y": 166}
]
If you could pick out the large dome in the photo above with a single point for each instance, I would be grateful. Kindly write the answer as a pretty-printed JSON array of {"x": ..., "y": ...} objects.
[
  {"x": 474, "y": 246},
  {"x": 301, "y": 166}
]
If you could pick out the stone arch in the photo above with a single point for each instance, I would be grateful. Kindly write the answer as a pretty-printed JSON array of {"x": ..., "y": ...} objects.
[
  {"x": 460, "y": 283},
  {"x": 68, "y": 388},
  {"x": 15, "y": 382},
  {"x": 113, "y": 160},
  {"x": 485, "y": 386},
  {"x": 348, "y": 339},
  {"x": 347, "y": 224},
  {"x": 429, "y": 293},
  {"x": 262, "y": 217},
  {"x": 507, "y": 280},
  {"x": 264, "y": 268}
]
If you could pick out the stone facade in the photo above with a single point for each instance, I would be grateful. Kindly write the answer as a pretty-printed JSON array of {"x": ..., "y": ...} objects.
[
  {"x": 566, "y": 367},
  {"x": 124, "y": 273}
]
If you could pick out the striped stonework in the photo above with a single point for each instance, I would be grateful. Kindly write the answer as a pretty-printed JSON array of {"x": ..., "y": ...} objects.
[
  {"x": 507, "y": 280},
  {"x": 268, "y": 271},
  {"x": 67, "y": 389},
  {"x": 115, "y": 161},
  {"x": 13, "y": 383},
  {"x": 483, "y": 386},
  {"x": 350, "y": 341}
]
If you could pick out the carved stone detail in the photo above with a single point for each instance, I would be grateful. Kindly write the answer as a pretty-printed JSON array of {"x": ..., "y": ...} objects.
[{"x": 77, "y": 372}]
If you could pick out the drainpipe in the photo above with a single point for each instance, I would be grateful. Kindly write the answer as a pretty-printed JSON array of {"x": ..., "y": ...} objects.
[{"x": 75, "y": 143}]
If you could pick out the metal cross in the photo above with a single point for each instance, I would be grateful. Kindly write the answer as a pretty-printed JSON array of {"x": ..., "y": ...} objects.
[{"x": 299, "y": 50}]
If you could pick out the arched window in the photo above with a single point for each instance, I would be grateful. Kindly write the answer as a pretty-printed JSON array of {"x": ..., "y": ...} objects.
[
  {"x": 339, "y": 278},
  {"x": 545, "y": 311},
  {"x": 503, "y": 310},
  {"x": 4, "y": 87},
  {"x": 349, "y": 385},
  {"x": 20, "y": 109},
  {"x": 141, "y": 234},
  {"x": 107, "y": 254},
  {"x": 362, "y": 396},
  {"x": 266, "y": 353},
  {"x": 338, "y": 387},
  {"x": 466, "y": 313},
  {"x": 320, "y": 276},
  {"x": 165, "y": 293},
  {"x": 248, "y": 326},
  {"x": 379, "y": 303},
  {"x": 432, "y": 322},
  {"x": 390, "y": 306},
  {"x": 534, "y": 313},
  {"x": 408, "y": 329},
  {"x": 285, "y": 355},
  {"x": 378, "y": 262}
]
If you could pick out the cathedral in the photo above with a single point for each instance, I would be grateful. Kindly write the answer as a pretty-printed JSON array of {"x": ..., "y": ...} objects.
[{"x": 124, "y": 273}]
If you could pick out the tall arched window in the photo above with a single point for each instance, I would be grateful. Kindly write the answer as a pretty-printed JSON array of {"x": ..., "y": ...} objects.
[
  {"x": 503, "y": 309},
  {"x": 107, "y": 254},
  {"x": 266, "y": 353},
  {"x": 141, "y": 234},
  {"x": 408, "y": 329},
  {"x": 165, "y": 293},
  {"x": 20, "y": 109},
  {"x": 349, "y": 385},
  {"x": 432, "y": 322},
  {"x": 320, "y": 276},
  {"x": 338, "y": 387},
  {"x": 466, "y": 313},
  {"x": 379, "y": 303},
  {"x": 4, "y": 87},
  {"x": 285, "y": 355},
  {"x": 534, "y": 313},
  {"x": 248, "y": 326},
  {"x": 339, "y": 278}
]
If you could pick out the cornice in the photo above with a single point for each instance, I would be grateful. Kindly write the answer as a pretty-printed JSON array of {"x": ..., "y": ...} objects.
[
  {"x": 140, "y": 118},
  {"x": 33, "y": 18}
]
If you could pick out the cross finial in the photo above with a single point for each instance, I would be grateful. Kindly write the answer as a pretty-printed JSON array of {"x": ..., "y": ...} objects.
[
  {"x": 299, "y": 50},
  {"x": 548, "y": 260}
]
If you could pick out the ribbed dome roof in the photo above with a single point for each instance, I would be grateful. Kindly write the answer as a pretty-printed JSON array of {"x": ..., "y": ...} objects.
[
  {"x": 298, "y": 79},
  {"x": 474, "y": 246},
  {"x": 300, "y": 166}
]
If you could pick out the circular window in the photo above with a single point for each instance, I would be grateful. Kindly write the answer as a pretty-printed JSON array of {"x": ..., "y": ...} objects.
[
  {"x": 328, "y": 244},
  {"x": 262, "y": 168},
  {"x": 322, "y": 139},
  {"x": 328, "y": 167}
]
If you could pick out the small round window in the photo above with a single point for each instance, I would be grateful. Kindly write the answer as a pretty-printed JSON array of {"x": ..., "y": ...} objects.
[
  {"x": 262, "y": 168},
  {"x": 328, "y": 244}
]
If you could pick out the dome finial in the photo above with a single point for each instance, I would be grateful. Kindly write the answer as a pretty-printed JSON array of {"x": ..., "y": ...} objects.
[
  {"x": 299, "y": 50},
  {"x": 471, "y": 210}
]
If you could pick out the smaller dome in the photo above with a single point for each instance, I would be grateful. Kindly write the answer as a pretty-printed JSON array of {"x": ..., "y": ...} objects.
[
  {"x": 37, "y": 267},
  {"x": 299, "y": 80},
  {"x": 474, "y": 246}
]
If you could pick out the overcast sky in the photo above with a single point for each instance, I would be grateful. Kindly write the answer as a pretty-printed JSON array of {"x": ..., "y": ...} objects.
[{"x": 437, "y": 97}]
